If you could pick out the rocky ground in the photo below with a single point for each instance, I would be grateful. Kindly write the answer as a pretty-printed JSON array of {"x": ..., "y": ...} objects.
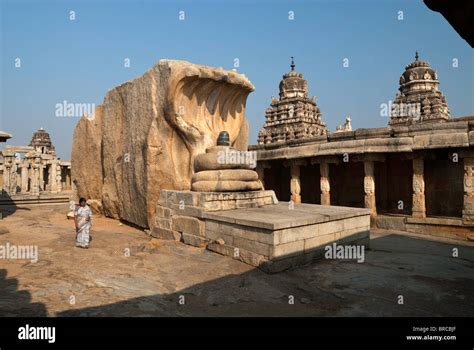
[{"x": 125, "y": 273}]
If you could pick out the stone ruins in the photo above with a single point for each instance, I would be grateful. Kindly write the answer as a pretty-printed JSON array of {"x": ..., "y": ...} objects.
[
  {"x": 34, "y": 169},
  {"x": 415, "y": 175},
  {"x": 168, "y": 151},
  {"x": 146, "y": 134}
]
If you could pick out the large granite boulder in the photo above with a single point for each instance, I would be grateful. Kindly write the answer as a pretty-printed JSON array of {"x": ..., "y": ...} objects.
[{"x": 146, "y": 134}]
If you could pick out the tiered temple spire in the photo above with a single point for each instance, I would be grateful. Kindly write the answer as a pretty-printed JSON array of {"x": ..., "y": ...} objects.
[
  {"x": 419, "y": 99},
  {"x": 41, "y": 141},
  {"x": 293, "y": 115}
]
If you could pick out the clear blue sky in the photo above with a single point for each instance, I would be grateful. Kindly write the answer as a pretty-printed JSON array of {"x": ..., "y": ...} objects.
[{"x": 79, "y": 61}]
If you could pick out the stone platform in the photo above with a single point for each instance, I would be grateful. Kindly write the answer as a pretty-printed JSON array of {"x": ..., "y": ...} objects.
[
  {"x": 39, "y": 199},
  {"x": 255, "y": 228}
]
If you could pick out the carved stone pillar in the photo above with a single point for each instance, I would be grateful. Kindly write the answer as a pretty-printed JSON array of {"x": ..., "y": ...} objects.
[
  {"x": 35, "y": 178},
  {"x": 468, "y": 206},
  {"x": 6, "y": 176},
  {"x": 52, "y": 177},
  {"x": 419, "y": 208},
  {"x": 30, "y": 176},
  {"x": 24, "y": 178},
  {"x": 59, "y": 184},
  {"x": 68, "y": 178},
  {"x": 369, "y": 187},
  {"x": 13, "y": 177},
  {"x": 18, "y": 179},
  {"x": 40, "y": 176},
  {"x": 324, "y": 184},
  {"x": 295, "y": 185}
]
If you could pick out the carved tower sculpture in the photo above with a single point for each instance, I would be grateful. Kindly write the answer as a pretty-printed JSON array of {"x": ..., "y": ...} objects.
[{"x": 293, "y": 115}]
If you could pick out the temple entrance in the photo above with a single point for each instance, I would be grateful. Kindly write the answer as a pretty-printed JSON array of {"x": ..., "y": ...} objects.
[
  {"x": 444, "y": 187},
  {"x": 310, "y": 187},
  {"x": 347, "y": 184},
  {"x": 393, "y": 185},
  {"x": 277, "y": 178}
]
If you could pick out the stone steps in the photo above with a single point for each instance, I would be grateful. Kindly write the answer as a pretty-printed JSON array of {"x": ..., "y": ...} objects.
[{"x": 43, "y": 199}]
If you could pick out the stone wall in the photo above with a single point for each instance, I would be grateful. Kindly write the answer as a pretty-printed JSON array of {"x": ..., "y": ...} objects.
[{"x": 145, "y": 135}]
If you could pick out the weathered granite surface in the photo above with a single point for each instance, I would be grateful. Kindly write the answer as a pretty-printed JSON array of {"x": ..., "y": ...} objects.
[{"x": 147, "y": 132}]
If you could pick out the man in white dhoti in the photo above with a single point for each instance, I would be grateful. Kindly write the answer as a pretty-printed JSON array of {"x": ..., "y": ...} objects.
[{"x": 83, "y": 222}]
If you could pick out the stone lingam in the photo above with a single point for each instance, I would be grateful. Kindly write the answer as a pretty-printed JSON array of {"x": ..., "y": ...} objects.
[
  {"x": 225, "y": 169},
  {"x": 228, "y": 212}
]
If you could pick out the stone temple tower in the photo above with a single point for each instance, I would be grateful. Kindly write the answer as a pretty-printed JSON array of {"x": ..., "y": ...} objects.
[
  {"x": 41, "y": 141},
  {"x": 293, "y": 115},
  {"x": 419, "y": 99}
]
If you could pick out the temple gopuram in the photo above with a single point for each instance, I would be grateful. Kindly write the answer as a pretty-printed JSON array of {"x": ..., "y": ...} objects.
[
  {"x": 34, "y": 169},
  {"x": 415, "y": 175},
  {"x": 419, "y": 98},
  {"x": 293, "y": 116}
]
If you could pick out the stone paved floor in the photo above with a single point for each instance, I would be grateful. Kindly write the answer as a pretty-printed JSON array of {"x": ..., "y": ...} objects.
[{"x": 103, "y": 281}]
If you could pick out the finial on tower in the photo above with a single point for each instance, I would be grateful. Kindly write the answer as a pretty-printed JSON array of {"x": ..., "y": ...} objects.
[
  {"x": 416, "y": 56},
  {"x": 292, "y": 65}
]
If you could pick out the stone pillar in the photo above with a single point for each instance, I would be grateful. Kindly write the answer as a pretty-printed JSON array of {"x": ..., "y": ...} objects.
[
  {"x": 324, "y": 184},
  {"x": 419, "y": 208},
  {"x": 59, "y": 184},
  {"x": 18, "y": 180},
  {"x": 24, "y": 178},
  {"x": 40, "y": 176},
  {"x": 68, "y": 178},
  {"x": 52, "y": 177},
  {"x": 295, "y": 185},
  {"x": 6, "y": 176},
  {"x": 468, "y": 206},
  {"x": 35, "y": 178},
  {"x": 369, "y": 187},
  {"x": 13, "y": 177}
]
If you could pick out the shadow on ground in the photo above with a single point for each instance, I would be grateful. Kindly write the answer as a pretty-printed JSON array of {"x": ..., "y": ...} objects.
[
  {"x": 7, "y": 205},
  {"x": 14, "y": 302},
  {"x": 430, "y": 280}
]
